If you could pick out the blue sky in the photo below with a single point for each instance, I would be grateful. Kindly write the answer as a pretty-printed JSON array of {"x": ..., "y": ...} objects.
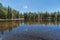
[{"x": 32, "y": 5}]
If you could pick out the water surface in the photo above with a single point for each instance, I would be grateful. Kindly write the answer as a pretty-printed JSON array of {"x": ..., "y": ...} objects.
[{"x": 30, "y": 30}]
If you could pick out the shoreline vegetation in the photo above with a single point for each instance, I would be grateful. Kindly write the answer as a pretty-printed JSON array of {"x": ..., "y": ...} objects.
[
  {"x": 7, "y": 13},
  {"x": 11, "y": 19}
]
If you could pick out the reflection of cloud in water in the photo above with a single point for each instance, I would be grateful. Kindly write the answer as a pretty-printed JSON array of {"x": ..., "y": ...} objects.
[
  {"x": 26, "y": 29},
  {"x": 1, "y": 38}
]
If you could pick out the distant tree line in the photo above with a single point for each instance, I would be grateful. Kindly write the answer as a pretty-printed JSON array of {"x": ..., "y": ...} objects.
[
  {"x": 42, "y": 16},
  {"x": 9, "y": 13}
]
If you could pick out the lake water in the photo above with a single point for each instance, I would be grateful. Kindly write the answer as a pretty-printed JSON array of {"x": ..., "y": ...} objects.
[{"x": 30, "y": 30}]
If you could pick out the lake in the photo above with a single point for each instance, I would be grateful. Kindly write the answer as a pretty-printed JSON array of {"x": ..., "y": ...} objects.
[{"x": 30, "y": 30}]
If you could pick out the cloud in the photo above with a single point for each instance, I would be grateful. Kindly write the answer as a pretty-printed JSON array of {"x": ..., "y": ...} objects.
[{"x": 25, "y": 7}]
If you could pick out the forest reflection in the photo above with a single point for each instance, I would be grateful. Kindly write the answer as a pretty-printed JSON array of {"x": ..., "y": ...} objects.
[
  {"x": 9, "y": 25},
  {"x": 46, "y": 22}
]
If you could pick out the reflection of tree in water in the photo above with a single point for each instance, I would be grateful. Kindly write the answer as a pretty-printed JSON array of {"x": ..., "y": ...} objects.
[
  {"x": 55, "y": 22},
  {"x": 8, "y": 25}
]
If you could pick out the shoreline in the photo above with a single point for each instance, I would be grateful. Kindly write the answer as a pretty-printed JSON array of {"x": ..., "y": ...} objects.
[{"x": 11, "y": 19}]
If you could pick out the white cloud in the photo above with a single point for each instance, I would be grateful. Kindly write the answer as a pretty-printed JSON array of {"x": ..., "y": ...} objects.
[{"x": 25, "y": 7}]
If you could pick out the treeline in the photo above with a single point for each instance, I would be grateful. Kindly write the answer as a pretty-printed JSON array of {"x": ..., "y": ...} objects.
[
  {"x": 9, "y": 13},
  {"x": 42, "y": 16}
]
